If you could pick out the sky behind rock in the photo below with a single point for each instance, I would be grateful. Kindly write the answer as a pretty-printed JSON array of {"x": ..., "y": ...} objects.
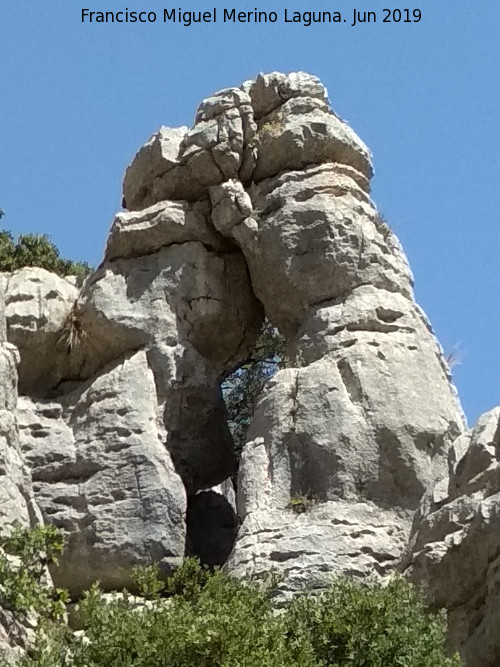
[{"x": 78, "y": 100}]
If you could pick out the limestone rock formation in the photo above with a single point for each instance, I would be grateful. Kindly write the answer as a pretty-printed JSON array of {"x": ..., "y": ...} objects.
[
  {"x": 363, "y": 419},
  {"x": 37, "y": 307},
  {"x": 144, "y": 345},
  {"x": 368, "y": 412},
  {"x": 454, "y": 548},
  {"x": 186, "y": 299},
  {"x": 262, "y": 208},
  {"x": 17, "y": 502},
  {"x": 101, "y": 473}
]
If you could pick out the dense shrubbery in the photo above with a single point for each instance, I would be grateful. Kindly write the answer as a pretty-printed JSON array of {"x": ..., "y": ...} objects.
[
  {"x": 211, "y": 620},
  {"x": 36, "y": 250}
]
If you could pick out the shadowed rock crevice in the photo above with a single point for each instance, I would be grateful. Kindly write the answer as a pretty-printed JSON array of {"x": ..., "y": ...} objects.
[{"x": 212, "y": 526}]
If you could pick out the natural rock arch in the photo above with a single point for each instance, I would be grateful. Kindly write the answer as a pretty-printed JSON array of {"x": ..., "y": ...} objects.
[{"x": 262, "y": 207}]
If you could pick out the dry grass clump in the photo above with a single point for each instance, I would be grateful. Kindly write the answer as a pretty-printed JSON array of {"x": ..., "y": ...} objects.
[{"x": 72, "y": 333}]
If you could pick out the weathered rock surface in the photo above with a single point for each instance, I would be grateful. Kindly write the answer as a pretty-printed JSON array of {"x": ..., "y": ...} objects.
[
  {"x": 16, "y": 493},
  {"x": 454, "y": 548},
  {"x": 261, "y": 208},
  {"x": 337, "y": 431},
  {"x": 277, "y": 122},
  {"x": 187, "y": 300},
  {"x": 155, "y": 159},
  {"x": 38, "y": 307},
  {"x": 352, "y": 539},
  {"x": 284, "y": 224},
  {"x": 17, "y": 503},
  {"x": 178, "y": 164},
  {"x": 101, "y": 473},
  {"x": 368, "y": 413}
]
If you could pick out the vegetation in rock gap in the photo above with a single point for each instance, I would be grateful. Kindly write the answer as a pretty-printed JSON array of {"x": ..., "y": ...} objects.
[
  {"x": 382, "y": 226},
  {"x": 301, "y": 503},
  {"x": 36, "y": 250},
  {"x": 213, "y": 620},
  {"x": 242, "y": 386}
]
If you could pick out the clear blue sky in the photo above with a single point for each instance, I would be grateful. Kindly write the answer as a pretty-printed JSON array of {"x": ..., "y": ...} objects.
[{"x": 77, "y": 101}]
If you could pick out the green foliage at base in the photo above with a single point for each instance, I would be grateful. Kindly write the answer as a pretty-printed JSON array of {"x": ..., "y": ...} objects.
[
  {"x": 24, "y": 557},
  {"x": 369, "y": 625},
  {"x": 36, "y": 250},
  {"x": 224, "y": 624},
  {"x": 201, "y": 619}
]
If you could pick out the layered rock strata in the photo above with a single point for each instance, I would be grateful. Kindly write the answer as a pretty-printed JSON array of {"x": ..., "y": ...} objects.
[
  {"x": 100, "y": 472},
  {"x": 454, "y": 550},
  {"x": 361, "y": 422},
  {"x": 368, "y": 413},
  {"x": 17, "y": 502},
  {"x": 261, "y": 208},
  {"x": 129, "y": 418}
]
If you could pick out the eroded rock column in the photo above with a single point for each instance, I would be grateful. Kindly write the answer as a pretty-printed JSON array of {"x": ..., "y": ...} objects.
[
  {"x": 361, "y": 422},
  {"x": 127, "y": 421},
  {"x": 17, "y": 503}
]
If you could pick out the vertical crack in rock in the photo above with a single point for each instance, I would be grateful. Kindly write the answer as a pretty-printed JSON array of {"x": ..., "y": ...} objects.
[
  {"x": 350, "y": 381},
  {"x": 139, "y": 491}
]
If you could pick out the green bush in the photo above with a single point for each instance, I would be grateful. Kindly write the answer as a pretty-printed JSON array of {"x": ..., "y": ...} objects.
[
  {"x": 24, "y": 557},
  {"x": 369, "y": 625},
  {"x": 203, "y": 619},
  {"x": 36, "y": 250},
  {"x": 219, "y": 623}
]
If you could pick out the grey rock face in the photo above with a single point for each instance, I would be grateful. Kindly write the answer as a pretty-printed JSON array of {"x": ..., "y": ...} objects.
[
  {"x": 179, "y": 164},
  {"x": 156, "y": 159},
  {"x": 285, "y": 224},
  {"x": 17, "y": 503},
  {"x": 277, "y": 122},
  {"x": 16, "y": 493},
  {"x": 341, "y": 538},
  {"x": 262, "y": 207},
  {"x": 37, "y": 307},
  {"x": 143, "y": 233},
  {"x": 337, "y": 432},
  {"x": 368, "y": 413},
  {"x": 454, "y": 547},
  {"x": 187, "y": 300},
  {"x": 101, "y": 473}
]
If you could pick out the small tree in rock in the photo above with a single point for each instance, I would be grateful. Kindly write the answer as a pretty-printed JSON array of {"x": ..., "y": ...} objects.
[{"x": 242, "y": 385}]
